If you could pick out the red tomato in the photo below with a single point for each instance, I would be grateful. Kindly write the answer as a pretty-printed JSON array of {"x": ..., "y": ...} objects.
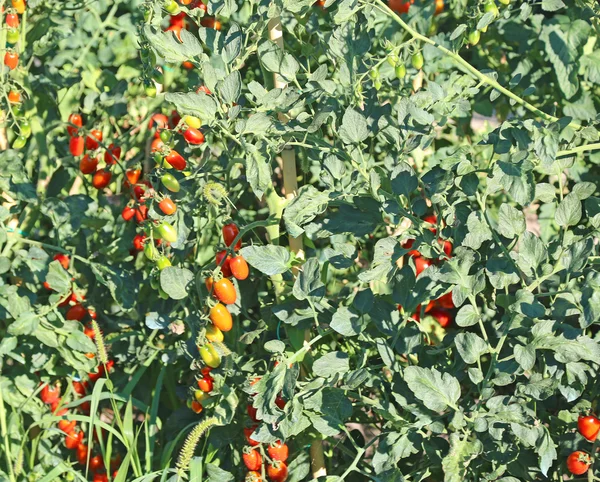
[
  {"x": 230, "y": 231},
  {"x": 101, "y": 477},
  {"x": 167, "y": 206},
  {"x": 400, "y": 6},
  {"x": 141, "y": 213},
  {"x": 55, "y": 411},
  {"x": 176, "y": 160},
  {"x": 253, "y": 476},
  {"x": 92, "y": 313},
  {"x": 82, "y": 453},
  {"x": 138, "y": 192},
  {"x": 277, "y": 471},
  {"x": 12, "y": 20},
  {"x": 252, "y": 412},
  {"x": 132, "y": 176},
  {"x": 96, "y": 463},
  {"x": 50, "y": 393},
  {"x": 91, "y": 141},
  {"x": 442, "y": 316},
  {"x": 101, "y": 179},
  {"x": 67, "y": 426},
  {"x": 76, "y": 145},
  {"x": 193, "y": 136},
  {"x": 203, "y": 89},
  {"x": 589, "y": 427},
  {"x": 178, "y": 19},
  {"x": 128, "y": 213},
  {"x": 75, "y": 121},
  {"x": 431, "y": 219},
  {"x": 248, "y": 432},
  {"x": 76, "y": 312},
  {"x": 157, "y": 144},
  {"x": 14, "y": 97},
  {"x": 205, "y": 384},
  {"x": 445, "y": 301},
  {"x": 112, "y": 154},
  {"x": 278, "y": 451},
  {"x": 220, "y": 316},
  {"x": 138, "y": 242},
  {"x": 196, "y": 406},
  {"x": 210, "y": 22},
  {"x": 252, "y": 459},
  {"x": 73, "y": 439},
  {"x": 223, "y": 264},
  {"x": 578, "y": 462},
  {"x": 88, "y": 165},
  {"x": 239, "y": 267},
  {"x": 448, "y": 248},
  {"x": 421, "y": 264},
  {"x": 160, "y": 120},
  {"x": 408, "y": 245},
  {"x": 176, "y": 29},
  {"x": 89, "y": 332},
  {"x": 280, "y": 402},
  {"x": 63, "y": 259}
]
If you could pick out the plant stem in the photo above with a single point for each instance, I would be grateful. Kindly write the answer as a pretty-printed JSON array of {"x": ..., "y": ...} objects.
[
  {"x": 575, "y": 150},
  {"x": 4, "y": 433}
]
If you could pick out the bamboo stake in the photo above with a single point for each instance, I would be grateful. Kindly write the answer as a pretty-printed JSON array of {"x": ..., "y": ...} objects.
[{"x": 290, "y": 185}]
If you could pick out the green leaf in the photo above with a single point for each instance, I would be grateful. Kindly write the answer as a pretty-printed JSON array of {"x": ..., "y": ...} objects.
[
  {"x": 532, "y": 253},
  {"x": 437, "y": 391},
  {"x": 308, "y": 283},
  {"x": 467, "y": 316},
  {"x": 25, "y": 324},
  {"x": 354, "y": 127},
  {"x": 58, "y": 278},
  {"x": 78, "y": 341},
  {"x": 258, "y": 170},
  {"x": 191, "y": 103},
  {"x": 404, "y": 180},
  {"x": 479, "y": 231},
  {"x": 462, "y": 452},
  {"x": 511, "y": 221},
  {"x": 470, "y": 347},
  {"x": 331, "y": 364},
  {"x": 176, "y": 281},
  {"x": 269, "y": 260},
  {"x": 231, "y": 87},
  {"x": 232, "y": 44},
  {"x": 306, "y": 206},
  {"x": 525, "y": 356},
  {"x": 569, "y": 211},
  {"x": 346, "y": 322},
  {"x": 167, "y": 46}
]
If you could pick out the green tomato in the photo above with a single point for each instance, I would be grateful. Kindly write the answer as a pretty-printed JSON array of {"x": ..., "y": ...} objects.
[
  {"x": 393, "y": 60},
  {"x": 171, "y": 7},
  {"x": 158, "y": 157},
  {"x": 169, "y": 181},
  {"x": 19, "y": 142},
  {"x": 210, "y": 355},
  {"x": 474, "y": 37},
  {"x": 167, "y": 232},
  {"x": 490, "y": 6},
  {"x": 400, "y": 71},
  {"x": 150, "y": 89},
  {"x": 12, "y": 35},
  {"x": 162, "y": 263},
  {"x": 154, "y": 283},
  {"x": 25, "y": 127},
  {"x": 374, "y": 73},
  {"x": 150, "y": 251},
  {"x": 158, "y": 76},
  {"x": 17, "y": 110},
  {"x": 377, "y": 84},
  {"x": 417, "y": 60},
  {"x": 162, "y": 293},
  {"x": 504, "y": 2},
  {"x": 165, "y": 136}
]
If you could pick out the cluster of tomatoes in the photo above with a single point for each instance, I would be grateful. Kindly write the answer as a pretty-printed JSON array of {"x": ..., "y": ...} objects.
[
  {"x": 11, "y": 19},
  {"x": 74, "y": 435},
  {"x": 440, "y": 309},
  {"x": 579, "y": 461}
]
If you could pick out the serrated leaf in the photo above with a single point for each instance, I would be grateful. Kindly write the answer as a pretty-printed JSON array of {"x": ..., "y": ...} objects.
[
  {"x": 436, "y": 390},
  {"x": 269, "y": 260},
  {"x": 176, "y": 281}
]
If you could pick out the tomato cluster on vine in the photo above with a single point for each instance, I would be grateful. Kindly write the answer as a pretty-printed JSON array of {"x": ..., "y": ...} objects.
[{"x": 579, "y": 462}]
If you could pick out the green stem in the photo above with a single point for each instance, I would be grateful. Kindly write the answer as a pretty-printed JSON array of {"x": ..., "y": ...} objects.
[
  {"x": 575, "y": 150},
  {"x": 4, "y": 433}
]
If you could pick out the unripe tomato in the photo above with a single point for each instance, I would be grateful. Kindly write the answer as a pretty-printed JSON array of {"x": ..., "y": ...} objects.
[
  {"x": 151, "y": 252},
  {"x": 374, "y": 73},
  {"x": 25, "y": 128},
  {"x": 221, "y": 318},
  {"x": 132, "y": 176},
  {"x": 504, "y": 2},
  {"x": 12, "y": 20},
  {"x": 167, "y": 232},
  {"x": 67, "y": 426},
  {"x": 19, "y": 6},
  {"x": 165, "y": 135},
  {"x": 92, "y": 139},
  {"x": 88, "y": 165},
  {"x": 112, "y": 154},
  {"x": 171, "y": 7},
  {"x": 75, "y": 122},
  {"x": 11, "y": 59},
  {"x": 76, "y": 312},
  {"x": 277, "y": 471},
  {"x": 138, "y": 242},
  {"x": 214, "y": 334},
  {"x": 225, "y": 291},
  {"x": 205, "y": 384},
  {"x": 417, "y": 60},
  {"x": 239, "y": 267},
  {"x": 128, "y": 213},
  {"x": 253, "y": 476},
  {"x": 158, "y": 76},
  {"x": 73, "y": 439},
  {"x": 12, "y": 36},
  {"x": 176, "y": 160},
  {"x": 50, "y": 393},
  {"x": 490, "y": 6},
  {"x": 63, "y": 259},
  {"x": 163, "y": 262},
  {"x": 278, "y": 451},
  {"x": 225, "y": 269},
  {"x": 167, "y": 206},
  {"x": 193, "y": 136},
  {"x": 252, "y": 459},
  {"x": 248, "y": 431},
  {"x": 210, "y": 22},
  {"x": 169, "y": 181},
  {"x": 19, "y": 142},
  {"x": 192, "y": 121},
  {"x": 393, "y": 59},
  {"x": 230, "y": 232},
  {"x": 578, "y": 462},
  {"x": 76, "y": 145},
  {"x": 210, "y": 356},
  {"x": 474, "y": 37},
  {"x": 588, "y": 427},
  {"x": 14, "y": 97},
  {"x": 101, "y": 179}
]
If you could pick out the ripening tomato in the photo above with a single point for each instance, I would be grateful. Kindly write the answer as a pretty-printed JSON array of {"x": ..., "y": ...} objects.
[
  {"x": 92, "y": 139},
  {"x": 138, "y": 242},
  {"x": 589, "y": 427},
  {"x": 252, "y": 459},
  {"x": 400, "y": 6},
  {"x": 210, "y": 22},
  {"x": 76, "y": 313},
  {"x": 278, "y": 451},
  {"x": 210, "y": 355},
  {"x": 12, "y": 35},
  {"x": 253, "y": 476},
  {"x": 224, "y": 265},
  {"x": 167, "y": 206},
  {"x": 176, "y": 160},
  {"x": 50, "y": 393},
  {"x": 11, "y": 59},
  {"x": 214, "y": 334},
  {"x": 19, "y": 6},
  {"x": 421, "y": 264},
  {"x": 12, "y": 20},
  {"x": 208, "y": 282},
  {"x": 167, "y": 232},
  {"x": 248, "y": 431},
  {"x": 221, "y": 318},
  {"x": 14, "y": 97},
  {"x": 225, "y": 291},
  {"x": 443, "y": 317},
  {"x": 63, "y": 259},
  {"x": 89, "y": 332},
  {"x": 73, "y": 439},
  {"x": 417, "y": 60},
  {"x": 439, "y": 7},
  {"x": 205, "y": 384},
  {"x": 101, "y": 179},
  {"x": 170, "y": 182},
  {"x": 277, "y": 471},
  {"x": 196, "y": 406},
  {"x": 88, "y": 165},
  {"x": 128, "y": 213},
  {"x": 76, "y": 145},
  {"x": 132, "y": 176},
  {"x": 67, "y": 426},
  {"x": 193, "y": 136},
  {"x": 112, "y": 154},
  {"x": 75, "y": 122},
  {"x": 578, "y": 462},
  {"x": 192, "y": 121},
  {"x": 230, "y": 232},
  {"x": 141, "y": 213},
  {"x": 239, "y": 267}
]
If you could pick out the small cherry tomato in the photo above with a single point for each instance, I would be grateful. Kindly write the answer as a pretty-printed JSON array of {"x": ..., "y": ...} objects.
[
  {"x": 399, "y": 6},
  {"x": 277, "y": 471},
  {"x": 132, "y": 176},
  {"x": 12, "y": 20},
  {"x": 417, "y": 60},
  {"x": 209, "y": 355},
  {"x": 167, "y": 232},
  {"x": 210, "y": 22},
  {"x": 25, "y": 127},
  {"x": 252, "y": 459},
  {"x": 248, "y": 431},
  {"x": 138, "y": 242},
  {"x": 421, "y": 264},
  {"x": 252, "y": 412},
  {"x": 88, "y": 165},
  {"x": 11, "y": 59},
  {"x": 141, "y": 213},
  {"x": 443, "y": 317},
  {"x": 163, "y": 262},
  {"x": 579, "y": 462},
  {"x": 205, "y": 384},
  {"x": 209, "y": 283},
  {"x": 67, "y": 426},
  {"x": 589, "y": 427},
  {"x": 167, "y": 206},
  {"x": 221, "y": 318},
  {"x": 73, "y": 439},
  {"x": 225, "y": 291},
  {"x": 50, "y": 393},
  {"x": 253, "y": 476},
  {"x": 169, "y": 181},
  {"x": 76, "y": 144},
  {"x": 14, "y": 97},
  {"x": 128, "y": 213},
  {"x": 75, "y": 122},
  {"x": 112, "y": 154},
  {"x": 101, "y": 179},
  {"x": 196, "y": 406},
  {"x": 239, "y": 267},
  {"x": 96, "y": 463},
  {"x": 19, "y": 6},
  {"x": 439, "y": 7},
  {"x": 192, "y": 121},
  {"x": 278, "y": 451},
  {"x": 230, "y": 232},
  {"x": 214, "y": 334},
  {"x": 12, "y": 36},
  {"x": 224, "y": 265},
  {"x": 193, "y": 136},
  {"x": 92, "y": 139},
  {"x": 176, "y": 160},
  {"x": 19, "y": 142},
  {"x": 76, "y": 312},
  {"x": 171, "y": 7}
]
